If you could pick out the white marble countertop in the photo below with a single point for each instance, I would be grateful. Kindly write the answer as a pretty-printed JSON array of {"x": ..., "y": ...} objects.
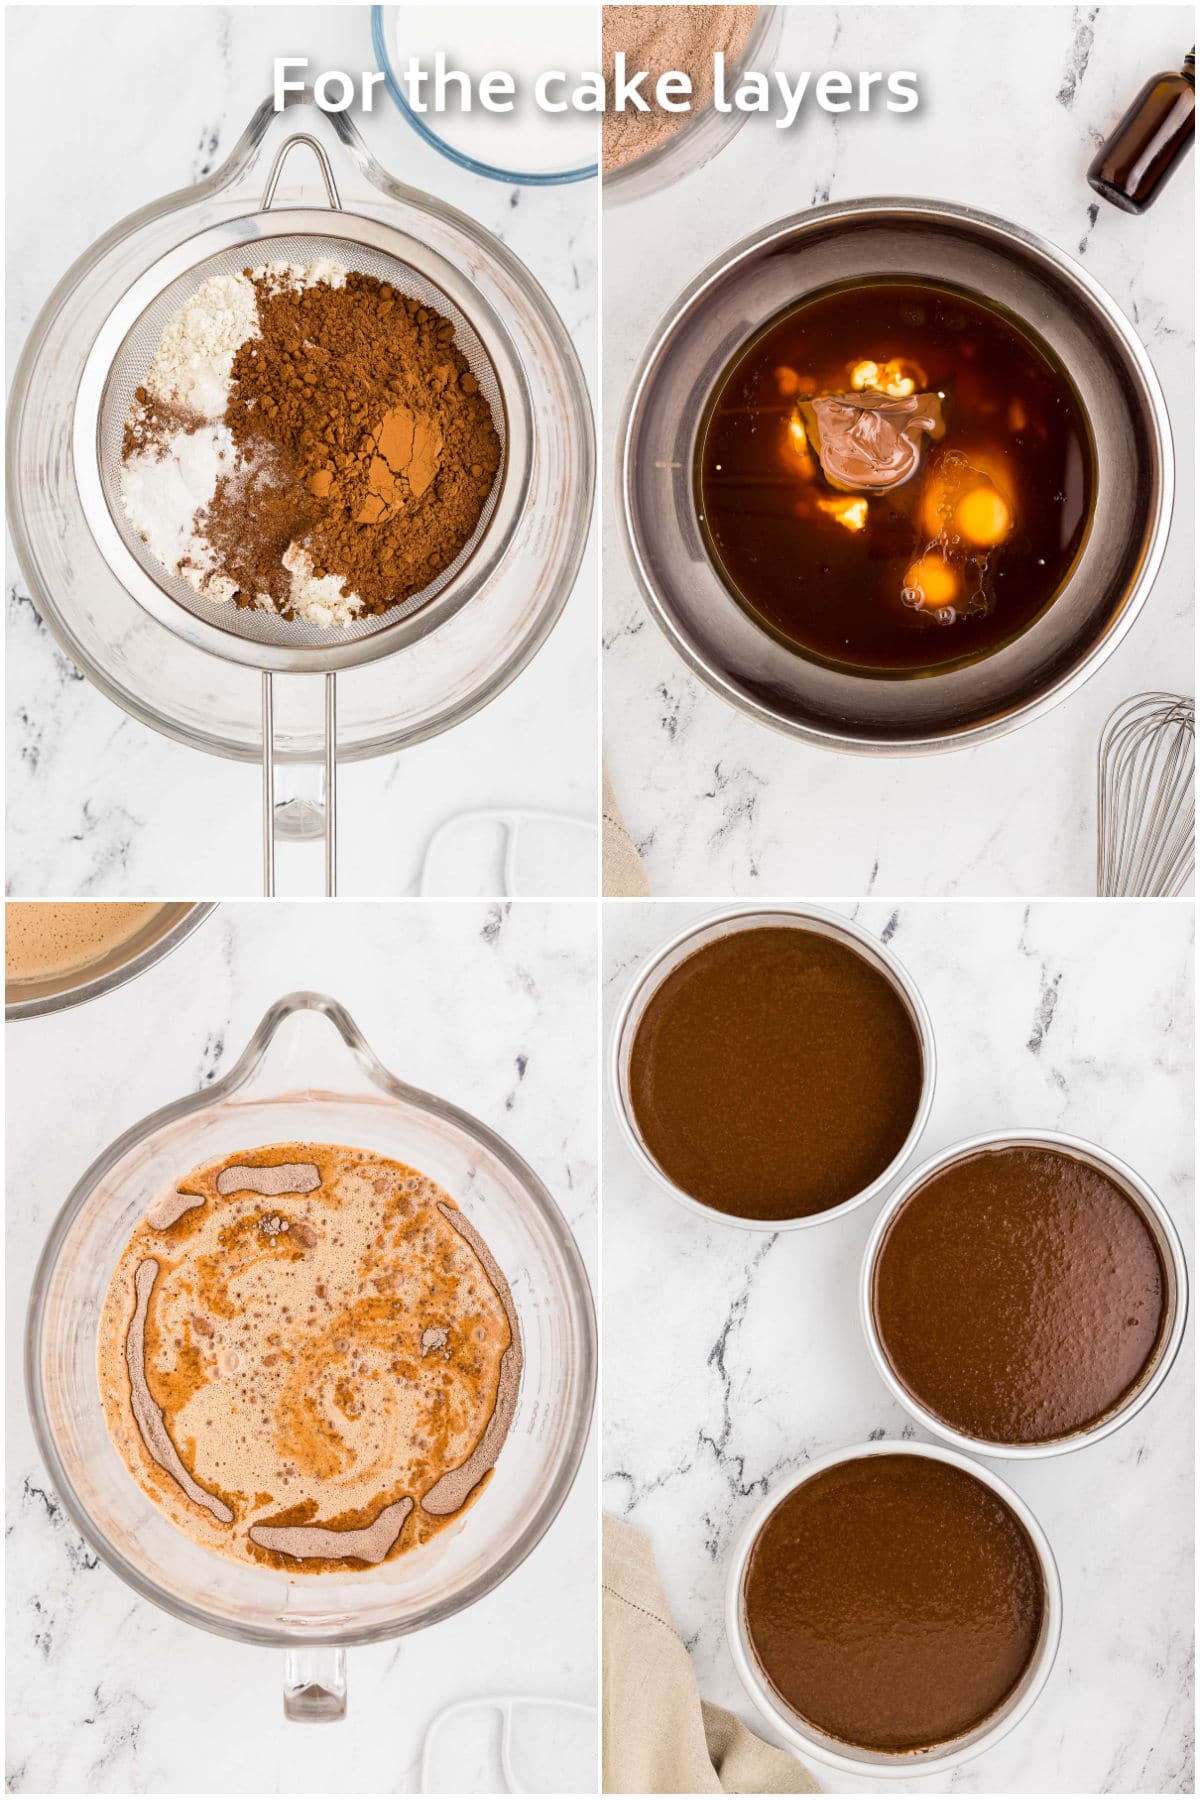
[
  {"x": 144, "y": 100},
  {"x": 1067, "y": 1017},
  {"x": 106, "y": 1694},
  {"x": 1015, "y": 101}
]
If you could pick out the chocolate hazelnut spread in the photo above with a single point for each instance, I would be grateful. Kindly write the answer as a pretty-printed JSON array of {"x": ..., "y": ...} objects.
[
  {"x": 775, "y": 1073},
  {"x": 869, "y": 442},
  {"x": 1019, "y": 1295},
  {"x": 894, "y": 1601}
]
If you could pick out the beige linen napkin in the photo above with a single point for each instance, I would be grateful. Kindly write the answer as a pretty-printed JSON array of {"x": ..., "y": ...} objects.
[
  {"x": 623, "y": 871},
  {"x": 659, "y": 1737}
]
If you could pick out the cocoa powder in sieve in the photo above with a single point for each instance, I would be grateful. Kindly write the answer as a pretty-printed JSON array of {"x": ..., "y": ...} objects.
[
  {"x": 658, "y": 39},
  {"x": 364, "y": 439}
]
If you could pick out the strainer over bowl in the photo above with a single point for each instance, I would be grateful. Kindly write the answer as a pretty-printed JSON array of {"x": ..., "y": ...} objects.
[
  {"x": 299, "y": 187},
  {"x": 307, "y": 1074}
]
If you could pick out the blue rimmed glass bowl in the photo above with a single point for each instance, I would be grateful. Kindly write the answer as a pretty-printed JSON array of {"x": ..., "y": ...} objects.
[{"x": 383, "y": 39}]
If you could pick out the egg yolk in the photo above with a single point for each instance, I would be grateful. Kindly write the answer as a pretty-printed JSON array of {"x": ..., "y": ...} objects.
[
  {"x": 982, "y": 517},
  {"x": 932, "y": 582}
]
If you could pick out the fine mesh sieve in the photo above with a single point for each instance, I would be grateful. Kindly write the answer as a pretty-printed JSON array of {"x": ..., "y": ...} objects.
[
  {"x": 120, "y": 360},
  {"x": 132, "y": 362},
  {"x": 191, "y": 669}
]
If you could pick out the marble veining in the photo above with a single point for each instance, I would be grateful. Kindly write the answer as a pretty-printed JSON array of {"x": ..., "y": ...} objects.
[
  {"x": 1067, "y": 1017},
  {"x": 1015, "y": 101},
  {"x": 492, "y": 1007},
  {"x": 98, "y": 804}
]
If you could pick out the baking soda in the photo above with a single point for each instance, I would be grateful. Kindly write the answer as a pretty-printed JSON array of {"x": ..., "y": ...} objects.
[{"x": 162, "y": 490}]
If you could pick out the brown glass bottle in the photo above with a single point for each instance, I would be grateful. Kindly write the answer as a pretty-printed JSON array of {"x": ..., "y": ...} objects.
[{"x": 1132, "y": 165}]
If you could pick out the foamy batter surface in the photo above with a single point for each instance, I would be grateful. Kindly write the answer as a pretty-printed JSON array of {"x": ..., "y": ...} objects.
[
  {"x": 45, "y": 938},
  {"x": 308, "y": 1357}
]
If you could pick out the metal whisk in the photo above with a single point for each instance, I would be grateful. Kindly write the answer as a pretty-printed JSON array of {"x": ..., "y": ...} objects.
[{"x": 1146, "y": 797}]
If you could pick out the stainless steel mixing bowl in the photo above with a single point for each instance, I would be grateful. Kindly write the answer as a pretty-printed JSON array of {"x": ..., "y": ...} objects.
[{"x": 924, "y": 240}]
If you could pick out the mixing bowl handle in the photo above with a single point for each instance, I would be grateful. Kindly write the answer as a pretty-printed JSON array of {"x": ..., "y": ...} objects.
[
  {"x": 298, "y": 819},
  {"x": 314, "y": 1685}
]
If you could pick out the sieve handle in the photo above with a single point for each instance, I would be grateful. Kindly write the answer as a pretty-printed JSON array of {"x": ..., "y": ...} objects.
[
  {"x": 328, "y": 810},
  {"x": 314, "y": 1685},
  {"x": 323, "y": 164}
]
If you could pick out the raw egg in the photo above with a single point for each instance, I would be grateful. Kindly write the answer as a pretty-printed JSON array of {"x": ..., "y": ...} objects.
[
  {"x": 982, "y": 517},
  {"x": 931, "y": 582}
]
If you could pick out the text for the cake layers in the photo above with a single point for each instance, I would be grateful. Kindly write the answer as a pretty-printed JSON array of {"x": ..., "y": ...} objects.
[{"x": 438, "y": 87}]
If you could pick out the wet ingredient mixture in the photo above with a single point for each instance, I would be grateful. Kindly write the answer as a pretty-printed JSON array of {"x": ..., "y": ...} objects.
[
  {"x": 308, "y": 1357},
  {"x": 895, "y": 477},
  {"x": 775, "y": 1073},
  {"x": 1019, "y": 1295},
  {"x": 308, "y": 442},
  {"x": 893, "y": 1602},
  {"x": 45, "y": 940}
]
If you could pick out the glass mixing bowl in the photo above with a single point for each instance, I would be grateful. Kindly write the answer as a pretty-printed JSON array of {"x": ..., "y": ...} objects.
[
  {"x": 310, "y": 171},
  {"x": 386, "y": 31},
  {"x": 307, "y": 1073}
]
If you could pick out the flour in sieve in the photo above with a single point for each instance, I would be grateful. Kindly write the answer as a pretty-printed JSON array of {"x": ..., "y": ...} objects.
[
  {"x": 194, "y": 359},
  {"x": 318, "y": 599},
  {"x": 279, "y": 275}
]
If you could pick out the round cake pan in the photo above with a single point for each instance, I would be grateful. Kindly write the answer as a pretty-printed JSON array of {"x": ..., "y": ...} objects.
[
  {"x": 1001, "y": 264},
  {"x": 655, "y": 971},
  {"x": 804, "y": 1738},
  {"x": 1165, "y": 1236},
  {"x": 31, "y": 999}
]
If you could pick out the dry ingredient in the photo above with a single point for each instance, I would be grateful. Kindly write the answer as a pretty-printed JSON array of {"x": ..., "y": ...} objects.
[
  {"x": 658, "y": 39},
  {"x": 308, "y": 442},
  {"x": 195, "y": 353}
]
